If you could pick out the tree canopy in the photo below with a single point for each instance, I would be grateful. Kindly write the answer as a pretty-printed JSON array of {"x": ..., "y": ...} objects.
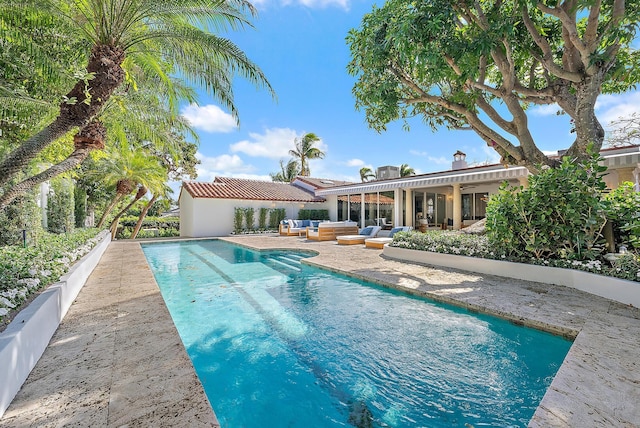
[
  {"x": 305, "y": 151},
  {"x": 480, "y": 65},
  {"x": 164, "y": 38}
]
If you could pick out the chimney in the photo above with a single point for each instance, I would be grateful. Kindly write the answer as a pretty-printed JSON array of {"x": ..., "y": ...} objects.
[
  {"x": 459, "y": 161},
  {"x": 385, "y": 172}
]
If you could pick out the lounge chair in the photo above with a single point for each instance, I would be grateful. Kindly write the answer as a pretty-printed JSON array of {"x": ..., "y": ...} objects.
[
  {"x": 379, "y": 243},
  {"x": 367, "y": 232}
]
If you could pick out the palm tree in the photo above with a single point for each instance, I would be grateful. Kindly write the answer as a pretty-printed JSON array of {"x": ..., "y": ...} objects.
[
  {"x": 287, "y": 172},
  {"x": 146, "y": 33},
  {"x": 128, "y": 169},
  {"x": 304, "y": 151},
  {"x": 366, "y": 174},
  {"x": 406, "y": 170},
  {"x": 142, "y": 115}
]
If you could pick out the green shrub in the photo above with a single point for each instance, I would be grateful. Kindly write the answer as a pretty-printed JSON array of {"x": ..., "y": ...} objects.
[
  {"x": 276, "y": 215},
  {"x": 623, "y": 204},
  {"x": 166, "y": 226},
  {"x": 238, "y": 217},
  {"x": 262, "y": 218},
  {"x": 559, "y": 216},
  {"x": 306, "y": 214},
  {"x": 249, "y": 217}
]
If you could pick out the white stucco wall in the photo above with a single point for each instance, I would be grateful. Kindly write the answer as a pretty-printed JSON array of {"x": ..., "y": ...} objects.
[
  {"x": 203, "y": 217},
  {"x": 186, "y": 203}
]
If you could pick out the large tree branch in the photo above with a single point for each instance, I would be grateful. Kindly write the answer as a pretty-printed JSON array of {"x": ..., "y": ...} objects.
[
  {"x": 547, "y": 54},
  {"x": 590, "y": 37},
  {"x": 569, "y": 25}
]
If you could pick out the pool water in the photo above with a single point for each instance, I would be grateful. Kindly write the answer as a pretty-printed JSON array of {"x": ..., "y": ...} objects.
[{"x": 276, "y": 343}]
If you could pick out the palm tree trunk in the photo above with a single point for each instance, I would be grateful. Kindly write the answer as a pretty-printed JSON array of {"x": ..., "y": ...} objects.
[
  {"x": 105, "y": 64},
  {"x": 114, "y": 224},
  {"x": 73, "y": 160},
  {"x": 108, "y": 210},
  {"x": 142, "y": 216}
]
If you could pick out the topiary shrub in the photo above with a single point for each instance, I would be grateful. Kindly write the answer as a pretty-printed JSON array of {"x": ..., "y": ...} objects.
[
  {"x": 238, "y": 217},
  {"x": 262, "y": 218},
  {"x": 249, "y": 217},
  {"x": 559, "y": 216}
]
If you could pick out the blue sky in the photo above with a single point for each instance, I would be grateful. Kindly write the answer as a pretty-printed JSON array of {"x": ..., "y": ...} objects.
[{"x": 300, "y": 45}]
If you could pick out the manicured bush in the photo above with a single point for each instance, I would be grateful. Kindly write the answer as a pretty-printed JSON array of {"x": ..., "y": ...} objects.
[
  {"x": 249, "y": 217},
  {"x": 463, "y": 244},
  {"x": 306, "y": 214},
  {"x": 559, "y": 216},
  {"x": 262, "y": 218},
  {"x": 165, "y": 226},
  {"x": 238, "y": 218},
  {"x": 276, "y": 215}
]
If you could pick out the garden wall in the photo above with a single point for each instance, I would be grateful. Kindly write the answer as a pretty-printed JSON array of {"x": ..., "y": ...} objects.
[
  {"x": 23, "y": 342},
  {"x": 627, "y": 292}
]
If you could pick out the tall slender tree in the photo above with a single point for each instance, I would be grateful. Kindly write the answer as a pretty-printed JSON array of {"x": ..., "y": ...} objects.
[
  {"x": 287, "y": 172},
  {"x": 147, "y": 33},
  {"x": 305, "y": 151}
]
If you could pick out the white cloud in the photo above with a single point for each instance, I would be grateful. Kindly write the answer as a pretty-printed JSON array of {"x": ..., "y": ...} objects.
[
  {"x": 441, "y": 160},
  {"x": 613, "y": 107},
  {"x": 223, "y": 165},
  {"x": 546, "y": 110},
  {"x": 355, "y": 162},
  {"x": 209, "y": 118},
  {"x": 274, "y": 143}
]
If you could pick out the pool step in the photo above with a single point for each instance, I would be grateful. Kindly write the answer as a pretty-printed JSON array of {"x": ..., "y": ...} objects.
[{"x": 285, "y": 264}]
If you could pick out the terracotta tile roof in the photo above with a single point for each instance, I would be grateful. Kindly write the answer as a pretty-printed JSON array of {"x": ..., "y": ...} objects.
[{"x": 236, "y": 188}]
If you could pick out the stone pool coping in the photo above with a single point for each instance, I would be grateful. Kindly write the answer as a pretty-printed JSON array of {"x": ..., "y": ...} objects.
[{"x": 117, "y": 359}]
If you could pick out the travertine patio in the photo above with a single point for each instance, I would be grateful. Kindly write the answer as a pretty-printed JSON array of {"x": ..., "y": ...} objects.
[{"x": 117, "y": 360}]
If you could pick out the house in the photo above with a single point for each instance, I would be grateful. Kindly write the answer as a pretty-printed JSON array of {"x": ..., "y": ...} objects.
[
  {"x": 207, "y": 209},
  {"x": 446, "y": 199},
  {"x": 453, "y": 198}
]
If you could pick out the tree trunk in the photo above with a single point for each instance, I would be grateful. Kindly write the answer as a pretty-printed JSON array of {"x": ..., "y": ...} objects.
[
  {"x": 105, "y": 65},
  {"x": 73, "y": 160},
  {"x": 108, "y": 210},
  {"x": 587, "y": 126},
  {"x": 114, "y": 224},
  {"x": 142, "y": 216}
]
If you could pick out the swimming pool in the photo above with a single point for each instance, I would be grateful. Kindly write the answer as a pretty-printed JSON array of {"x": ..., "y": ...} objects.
[{"x": 276, "y": 343}]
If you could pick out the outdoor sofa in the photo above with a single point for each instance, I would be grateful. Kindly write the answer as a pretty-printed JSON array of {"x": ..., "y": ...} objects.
[
  {"x": 330, "y": 230},
  {"x": 295, "y": 227}
]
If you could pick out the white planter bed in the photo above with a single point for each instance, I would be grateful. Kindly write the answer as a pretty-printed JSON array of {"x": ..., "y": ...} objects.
[
  {"x": 627, "y": 292},
  {"x": 25, "y": 339}
]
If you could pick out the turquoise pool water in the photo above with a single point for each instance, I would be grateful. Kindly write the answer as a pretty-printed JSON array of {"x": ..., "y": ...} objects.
[{"x": 276, "y": 343}]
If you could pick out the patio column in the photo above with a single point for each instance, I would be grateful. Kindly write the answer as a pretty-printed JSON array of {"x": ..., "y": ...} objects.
[
  {"x": 457, "y": 207},
  {"x": 397, "y": 207},
  {"x": 362, "y": 210},
  {"x": 408, "y": 206}
]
